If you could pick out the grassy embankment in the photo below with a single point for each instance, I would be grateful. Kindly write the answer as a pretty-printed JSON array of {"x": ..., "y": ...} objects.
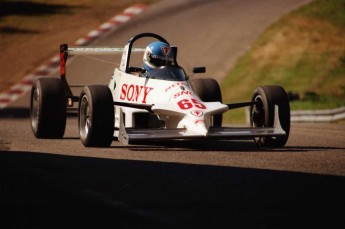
[{"x": 304, "y": 52}]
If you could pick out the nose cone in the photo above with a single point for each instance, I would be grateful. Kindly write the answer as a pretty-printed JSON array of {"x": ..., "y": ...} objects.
[
  {"x": 194, "y": 124},
  {"x": 200, "y": 128}
]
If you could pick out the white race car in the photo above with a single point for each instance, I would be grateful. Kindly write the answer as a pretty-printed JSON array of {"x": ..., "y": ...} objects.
[{"x": 160, "y": 104}]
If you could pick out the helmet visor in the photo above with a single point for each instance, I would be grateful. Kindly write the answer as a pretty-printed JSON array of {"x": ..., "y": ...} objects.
[{"x": 160, "y": 62}]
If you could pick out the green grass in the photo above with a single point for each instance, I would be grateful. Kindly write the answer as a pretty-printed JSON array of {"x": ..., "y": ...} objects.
[
  {"x": 317, "y": 102},
  {"x": 304, "y": 52}
]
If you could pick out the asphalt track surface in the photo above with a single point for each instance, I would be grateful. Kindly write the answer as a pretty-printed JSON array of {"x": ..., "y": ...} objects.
[{"x": 198, "y": 184}]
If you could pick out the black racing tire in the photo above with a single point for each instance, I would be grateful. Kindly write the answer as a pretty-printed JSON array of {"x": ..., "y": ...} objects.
[
  {"x": 96, "y": 116},
  {"x": 262, "y": 114},
  {"x": 48, "y": 108},
  {"x": 208, "y": 90}
]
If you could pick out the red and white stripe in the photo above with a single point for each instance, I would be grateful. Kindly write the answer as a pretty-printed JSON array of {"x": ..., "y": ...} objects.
[{"x": 19, "y": 89}]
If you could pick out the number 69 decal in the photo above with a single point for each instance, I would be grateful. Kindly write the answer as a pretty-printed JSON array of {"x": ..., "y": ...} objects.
[{"x": 186, "y": 104}]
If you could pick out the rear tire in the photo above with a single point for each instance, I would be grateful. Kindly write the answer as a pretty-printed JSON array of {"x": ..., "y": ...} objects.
[
  {"x": 262, "y": 114},
  {"x": 48, "y": 108},
  {"x": 209, "y": 91},
  {"x": 96, "y": 116}
]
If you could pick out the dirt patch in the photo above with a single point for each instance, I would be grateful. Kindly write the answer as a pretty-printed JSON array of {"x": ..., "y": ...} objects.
[{"x": 31, "y": 31}]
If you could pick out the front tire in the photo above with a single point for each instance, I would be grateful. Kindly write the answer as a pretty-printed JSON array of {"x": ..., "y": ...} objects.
[
  {"x": 48, "y": 108},
  {"x": 262, "y": 114},
  {"x": 208, "y": 90},
  {"x": 96, "y": 116}
]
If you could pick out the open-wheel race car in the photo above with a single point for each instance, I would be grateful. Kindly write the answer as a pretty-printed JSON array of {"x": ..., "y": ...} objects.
[{"x": 155, "y": 102}]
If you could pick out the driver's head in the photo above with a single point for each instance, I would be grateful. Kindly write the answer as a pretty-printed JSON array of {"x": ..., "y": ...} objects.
[{"x": 157, "y": 54}]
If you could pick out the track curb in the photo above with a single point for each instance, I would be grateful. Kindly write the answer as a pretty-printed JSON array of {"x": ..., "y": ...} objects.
[{"x": 18, "y": 90}]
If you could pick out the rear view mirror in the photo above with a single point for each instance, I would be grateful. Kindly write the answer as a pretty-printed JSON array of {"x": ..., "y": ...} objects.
[{"x": 199, "y": 70}]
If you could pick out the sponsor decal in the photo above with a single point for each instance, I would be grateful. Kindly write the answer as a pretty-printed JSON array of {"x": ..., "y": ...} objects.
[
  {"x": 165, "y": 50},
  {"x": 197, "y": 113},
  {"x": 178, "y": 94},
  {"x": 134, "y": 93},
  {"x": 175, "y": 85}
]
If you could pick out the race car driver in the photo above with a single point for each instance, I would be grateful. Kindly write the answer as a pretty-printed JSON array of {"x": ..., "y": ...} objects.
[{"x": 157, "y": 54}]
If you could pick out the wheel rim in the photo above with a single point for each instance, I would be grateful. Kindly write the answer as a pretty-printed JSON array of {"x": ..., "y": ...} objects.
[
  {"x": 258, "y": 117},
  {"x": 84, "y": 121},
  {"x": 35, "y": 108},
  {"x": 258, "y": 113}
]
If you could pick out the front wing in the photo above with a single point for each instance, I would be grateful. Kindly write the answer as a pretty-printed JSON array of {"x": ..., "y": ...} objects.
[{"x": 131, "y": 135}]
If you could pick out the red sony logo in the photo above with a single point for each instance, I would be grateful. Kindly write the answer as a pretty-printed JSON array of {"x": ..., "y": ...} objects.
[{"x": 134, "y": 93}]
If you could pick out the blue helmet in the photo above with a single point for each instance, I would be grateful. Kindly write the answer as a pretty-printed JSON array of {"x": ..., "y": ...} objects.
[{"x": 157, "y": 54}]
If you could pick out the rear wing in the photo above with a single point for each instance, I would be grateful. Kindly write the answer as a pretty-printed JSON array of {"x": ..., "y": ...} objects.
[{"x": 65, "y": 51}]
